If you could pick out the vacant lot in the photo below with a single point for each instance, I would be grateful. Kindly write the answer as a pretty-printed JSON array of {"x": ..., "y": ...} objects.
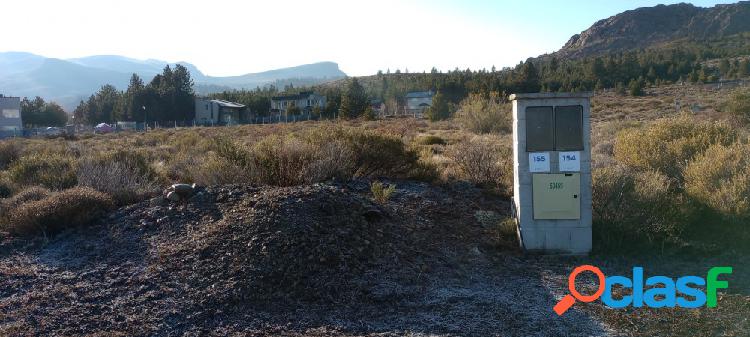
[{"x": 362, "y": 228}]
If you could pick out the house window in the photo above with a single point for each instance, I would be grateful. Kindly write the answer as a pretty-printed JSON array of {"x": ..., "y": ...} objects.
[{"x": 207, "y": 106}]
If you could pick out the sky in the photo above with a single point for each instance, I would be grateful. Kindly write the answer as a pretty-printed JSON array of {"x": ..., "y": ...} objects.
[{"x": 224, "y": 37}]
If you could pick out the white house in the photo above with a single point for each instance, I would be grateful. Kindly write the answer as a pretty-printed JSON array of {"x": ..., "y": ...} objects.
[
  {"x": 417, "y": 102},
  {"x": 305, "y": 101},
  {"x": 10, "y": 115},
  {"x": 217, "y": 111}
]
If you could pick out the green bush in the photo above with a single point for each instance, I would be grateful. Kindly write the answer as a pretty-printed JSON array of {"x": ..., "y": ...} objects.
[
  {"x": 720, "y": 179},
  {"x": 633, "y": 207},
  {"x": 667, "y": 145},
  {"x": 54, "y": 171},
  {"x": 481, "y": 114},
  {"x": 75, "y": 207}
]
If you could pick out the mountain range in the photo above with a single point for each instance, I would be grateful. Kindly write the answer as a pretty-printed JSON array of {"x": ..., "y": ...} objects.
[
  {"x": 651, "y": 27},
  {"x": 67, "y": 81}
]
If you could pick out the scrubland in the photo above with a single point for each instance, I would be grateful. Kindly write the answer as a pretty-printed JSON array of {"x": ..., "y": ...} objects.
[{"x": 671, "y": 181}]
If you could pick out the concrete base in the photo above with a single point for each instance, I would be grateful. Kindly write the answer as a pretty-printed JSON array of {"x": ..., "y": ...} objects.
[{"x": 572, "y": 241}]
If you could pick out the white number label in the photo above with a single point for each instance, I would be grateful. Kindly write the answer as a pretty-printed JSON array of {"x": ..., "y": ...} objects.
[
  {"x": 570, "y": 161},
  {"x": 539, "y": 162}
]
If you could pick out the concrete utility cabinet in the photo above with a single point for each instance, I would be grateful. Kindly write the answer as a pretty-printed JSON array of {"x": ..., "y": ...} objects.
[{"x": 552, "y": 171}]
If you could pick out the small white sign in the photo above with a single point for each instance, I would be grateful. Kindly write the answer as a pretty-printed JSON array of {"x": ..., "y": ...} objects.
[
  {"x": 570, "y": 161},
  {"x": 539, "y": 162}
]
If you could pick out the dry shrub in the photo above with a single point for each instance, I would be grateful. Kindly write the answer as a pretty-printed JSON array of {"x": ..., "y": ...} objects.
[
  {"x": 6, "y": 187},
  {"x": 668, "y": 145},
  {"x": 52, "y": 170},
  {"x": 431, "y": 140},
  {"x": 124, "y": 175},
  {"x": 720, "y": 179},
  {"x": 28, "y": 194},
  {"x": 333, "y": 160},
  {"x": 75, "y": 207},
  {"x": 483, "y": 161},
  {"x": 632, "y": 206},
  {"x": 10, "y": 150},
  {"x": 738, "y": 104},
  {"x": 481, "y": 114},
  {"x": 381, "y": 192},
  {"x": 282, "y": 161}
]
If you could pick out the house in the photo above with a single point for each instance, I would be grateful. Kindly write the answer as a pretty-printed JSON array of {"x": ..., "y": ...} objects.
[
  {"x": 217, "y": 111},
  {"x": 417, "y": 102},
  {"x": 10, "y": 116},
  {"x": 305, "y": 101}
]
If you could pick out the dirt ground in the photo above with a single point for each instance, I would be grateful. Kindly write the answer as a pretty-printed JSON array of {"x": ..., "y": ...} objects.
[{"x": 323, "y": 260}]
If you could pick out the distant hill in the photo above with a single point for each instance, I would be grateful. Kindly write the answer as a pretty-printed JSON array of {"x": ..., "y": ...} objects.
[
  {"x": 68, "y": 81},
  {"x": 654, "y": 26}
]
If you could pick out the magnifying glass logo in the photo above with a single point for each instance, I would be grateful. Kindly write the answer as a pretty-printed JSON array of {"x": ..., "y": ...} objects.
[{"x": 566, "y": 302}]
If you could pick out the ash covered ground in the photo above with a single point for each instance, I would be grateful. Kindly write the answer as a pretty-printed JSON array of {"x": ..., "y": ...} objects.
[{"x": 316, "y": 260}]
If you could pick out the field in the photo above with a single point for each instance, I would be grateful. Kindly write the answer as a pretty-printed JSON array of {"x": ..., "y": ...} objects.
[{"x": 397, "y": 227}]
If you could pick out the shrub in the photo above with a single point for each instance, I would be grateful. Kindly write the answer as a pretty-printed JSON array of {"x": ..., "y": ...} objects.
[
  {"x": 380, "y": 192},
  {"x": 215, "y": 170},
  {"x": 70, "y": 208},
  {"x": 481, "y": 114},
  {"x": 6, "y": 187},
  {"x": 738, "y": 104},
  {"x": 10, "y": 150},
  {"x": 332, "y": 160},
  {"x": 28, "y": 194},
  {"x": 379, "y": 155},
  {"x": 431, "y": 140},
  {"x": 720, "y": 179},
  {"x": 483, "y": 161},
  {"x": 54, "y": 171},
  {"x": 631, "y": 207},
  {"x": 667, "y": 145},
  {"x": 282, "y": 161},
  {"x": 374, "y": 153},
  {"x": 125, "y": 175}
]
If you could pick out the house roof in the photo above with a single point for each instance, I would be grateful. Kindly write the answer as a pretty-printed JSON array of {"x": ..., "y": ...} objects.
[
  {"x": 419, "y": 94},
  {"x": 227, "y": 104}
]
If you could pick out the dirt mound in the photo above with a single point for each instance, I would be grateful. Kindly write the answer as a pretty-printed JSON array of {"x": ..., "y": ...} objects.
[{"x": 306, "y": 243}]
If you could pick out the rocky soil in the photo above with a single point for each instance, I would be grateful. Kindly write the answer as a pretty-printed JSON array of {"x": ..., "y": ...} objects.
[{"x": 320, "y": 260}]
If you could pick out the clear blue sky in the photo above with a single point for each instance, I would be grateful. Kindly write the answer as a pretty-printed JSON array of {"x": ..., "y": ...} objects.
[{"x": 231, "y": 37}]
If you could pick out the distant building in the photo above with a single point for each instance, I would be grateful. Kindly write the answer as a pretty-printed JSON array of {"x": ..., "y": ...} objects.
[
  {"x": 305, "y": 101},
  {"x": 10, "y": 116},
  {"x": 217, "y": 111},
  {"x": 417, "y": 102}
]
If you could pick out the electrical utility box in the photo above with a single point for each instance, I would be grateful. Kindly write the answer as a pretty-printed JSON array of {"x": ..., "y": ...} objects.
[{"x": 552, "y": 171}]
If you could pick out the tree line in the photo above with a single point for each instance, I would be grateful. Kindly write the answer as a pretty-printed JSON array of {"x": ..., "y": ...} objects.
[
  {"x": 37, "y": 112},
  {"x": 626, "y": 72},
  {"x": 168, "y": 97}
]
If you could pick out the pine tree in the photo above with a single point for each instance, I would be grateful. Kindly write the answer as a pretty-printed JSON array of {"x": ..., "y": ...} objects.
[
  {"x": 439, "y": 110},
  {"x": 354, "y": 100}
]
